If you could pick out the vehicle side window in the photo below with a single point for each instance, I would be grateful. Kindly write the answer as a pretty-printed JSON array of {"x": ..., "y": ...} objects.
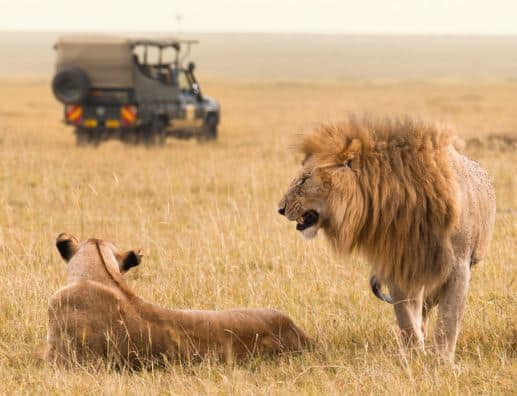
[{"x": 183, "y": 81}]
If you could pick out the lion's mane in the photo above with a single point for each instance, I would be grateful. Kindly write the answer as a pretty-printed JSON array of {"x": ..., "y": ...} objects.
[{"x": 403, "y": 207}]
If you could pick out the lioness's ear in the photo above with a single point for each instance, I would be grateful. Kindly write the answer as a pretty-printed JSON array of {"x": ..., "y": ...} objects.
[
  {"x": 129, "y": 260},
  {"x": 67, "y": 245}
]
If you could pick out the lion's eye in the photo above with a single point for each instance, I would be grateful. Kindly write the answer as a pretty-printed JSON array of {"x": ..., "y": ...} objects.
[{"x": 302, "y": 180}]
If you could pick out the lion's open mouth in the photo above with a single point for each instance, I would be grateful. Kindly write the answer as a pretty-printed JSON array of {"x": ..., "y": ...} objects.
[{"x": 308, "y": 219}]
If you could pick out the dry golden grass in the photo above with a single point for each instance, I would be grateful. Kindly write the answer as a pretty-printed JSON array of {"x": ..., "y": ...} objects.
[{"x": 205, "y": 215}]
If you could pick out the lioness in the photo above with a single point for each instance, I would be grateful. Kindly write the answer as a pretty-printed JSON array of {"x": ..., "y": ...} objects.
[
  {"x": 400, "y": 193},
  {"x": 96, "y": 315}
]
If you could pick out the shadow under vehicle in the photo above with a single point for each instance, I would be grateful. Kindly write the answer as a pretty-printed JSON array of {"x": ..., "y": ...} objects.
[{"x": 112, "y": 89}]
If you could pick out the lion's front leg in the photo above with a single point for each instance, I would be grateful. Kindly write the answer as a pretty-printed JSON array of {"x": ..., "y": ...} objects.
[
  {"x": 430, "y": 302},
  {"x": 450, "y": 310},
  {"x": 408, "y": 310}
]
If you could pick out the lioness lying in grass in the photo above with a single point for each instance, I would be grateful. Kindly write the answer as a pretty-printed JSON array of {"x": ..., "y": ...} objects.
[{"x": 96, "y": 315}]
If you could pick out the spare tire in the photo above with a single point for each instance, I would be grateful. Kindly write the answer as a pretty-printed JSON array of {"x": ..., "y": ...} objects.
[{"x": 71, "y": 85}]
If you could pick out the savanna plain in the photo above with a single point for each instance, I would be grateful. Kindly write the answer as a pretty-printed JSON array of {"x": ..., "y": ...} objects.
[{"x": 205, "y": 216}]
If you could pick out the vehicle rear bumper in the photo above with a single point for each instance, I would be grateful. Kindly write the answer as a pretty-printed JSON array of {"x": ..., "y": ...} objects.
[{"x": 106, "y": 117}]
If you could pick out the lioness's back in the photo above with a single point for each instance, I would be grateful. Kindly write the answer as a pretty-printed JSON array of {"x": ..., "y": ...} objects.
[{"x": 81, "y": 318}]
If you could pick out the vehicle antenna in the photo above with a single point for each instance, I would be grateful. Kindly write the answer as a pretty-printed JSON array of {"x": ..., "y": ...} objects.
[{"x": 179, "y": 19}]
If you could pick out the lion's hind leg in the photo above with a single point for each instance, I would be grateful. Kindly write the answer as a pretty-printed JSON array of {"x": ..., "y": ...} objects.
[{"x": 450, "y": 310}]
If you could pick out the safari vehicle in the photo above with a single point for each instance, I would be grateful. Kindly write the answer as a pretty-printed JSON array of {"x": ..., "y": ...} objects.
[{"x": 136, "y": 90}]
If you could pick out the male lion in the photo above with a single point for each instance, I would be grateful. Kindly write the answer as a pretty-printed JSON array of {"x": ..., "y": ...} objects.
[
  {"x": 400, "y": 193},
  {"x": 98, "y": 316}
]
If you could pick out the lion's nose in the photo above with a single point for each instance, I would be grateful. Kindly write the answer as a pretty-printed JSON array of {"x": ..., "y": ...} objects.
[{"x": 282, "y": 211}]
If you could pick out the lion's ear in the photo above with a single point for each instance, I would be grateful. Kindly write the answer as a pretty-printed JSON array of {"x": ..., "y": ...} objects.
[
  {"x": 129, "y": 260},
  {"x": 67, "y": 245},
  {"x": 347, "y": 163},
  {"x": 355, "y": 147},
  {"x": 353, "y": 153}
]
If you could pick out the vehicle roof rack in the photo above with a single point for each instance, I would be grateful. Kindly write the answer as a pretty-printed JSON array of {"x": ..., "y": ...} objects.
[{"x": 162, "y": 42}]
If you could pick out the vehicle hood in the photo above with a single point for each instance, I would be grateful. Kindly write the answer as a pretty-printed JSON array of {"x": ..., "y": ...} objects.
[{"x": 210, "y": 103}]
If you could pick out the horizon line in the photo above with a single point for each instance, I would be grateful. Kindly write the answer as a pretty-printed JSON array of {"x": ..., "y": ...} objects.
[{"x": 310, "y": 33}]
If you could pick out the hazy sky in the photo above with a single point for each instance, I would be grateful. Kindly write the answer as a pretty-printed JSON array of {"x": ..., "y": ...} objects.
[{"x": 322, "y": 16}]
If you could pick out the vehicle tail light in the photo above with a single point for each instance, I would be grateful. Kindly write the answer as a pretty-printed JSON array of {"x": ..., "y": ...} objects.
[
  {"x": 128, "y": 115},
  {"x": 74, "y": 114}
]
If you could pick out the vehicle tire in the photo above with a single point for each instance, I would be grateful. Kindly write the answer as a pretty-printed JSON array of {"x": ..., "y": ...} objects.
[
  {"x": 83, "y": 137},
  {"x": 162, "y": 138},
  {"x": 155, "y": 134},
  {"x": 210, "y": 127},
  {"x": 130, "y": 136},
  {"x": 87, "y": 137},
  {"x": 148, "y": 137},
  {"x": 71, "y": 86}
]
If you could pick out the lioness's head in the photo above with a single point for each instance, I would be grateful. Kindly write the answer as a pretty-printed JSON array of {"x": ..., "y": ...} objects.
[
  {"x": 89, "y": 251},
  {"x": 326, "y": 193}
]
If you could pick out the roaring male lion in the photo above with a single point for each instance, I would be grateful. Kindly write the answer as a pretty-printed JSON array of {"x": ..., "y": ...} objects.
[
  {"x": 400, "y": 193},
  {"x": 98, "y": 316}
]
